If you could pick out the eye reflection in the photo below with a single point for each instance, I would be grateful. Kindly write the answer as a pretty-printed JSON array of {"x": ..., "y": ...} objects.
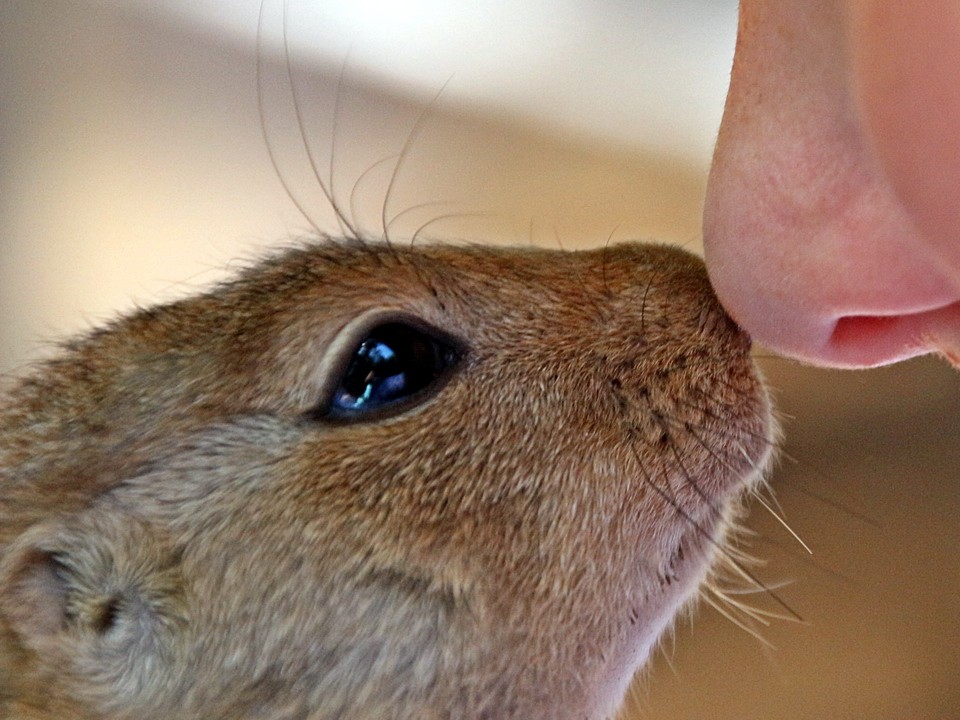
[{"x": 391, "y": 365}]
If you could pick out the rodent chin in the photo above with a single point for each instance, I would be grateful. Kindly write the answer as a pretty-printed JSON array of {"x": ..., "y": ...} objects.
[{"x": 184, "y": 533}]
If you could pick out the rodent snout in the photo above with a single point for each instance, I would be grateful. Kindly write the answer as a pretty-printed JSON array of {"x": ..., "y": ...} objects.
[
  {"x": 672, "y": 294},
  {"x": 374, "y": 481},
  {"x": 715, "y": 320}
]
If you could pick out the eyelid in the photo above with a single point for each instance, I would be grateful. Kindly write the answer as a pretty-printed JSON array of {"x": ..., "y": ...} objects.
[{"x": 340, "y": 353}]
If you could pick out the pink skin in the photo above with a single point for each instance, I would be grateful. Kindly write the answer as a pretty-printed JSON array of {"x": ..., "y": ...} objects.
[{"x": 833, "y": 208}]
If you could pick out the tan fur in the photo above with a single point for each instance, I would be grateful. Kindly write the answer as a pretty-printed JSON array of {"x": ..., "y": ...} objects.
[{"x": 178, "y": 540}]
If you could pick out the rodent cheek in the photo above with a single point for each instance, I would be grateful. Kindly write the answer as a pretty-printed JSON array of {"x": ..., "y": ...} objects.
[{"x": 806, "y": 244}]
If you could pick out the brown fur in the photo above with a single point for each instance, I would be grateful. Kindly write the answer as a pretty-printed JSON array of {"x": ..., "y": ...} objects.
[{"x": 178, "y": 540}]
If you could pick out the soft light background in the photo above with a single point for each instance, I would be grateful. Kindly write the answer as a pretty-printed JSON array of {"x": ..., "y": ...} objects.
[{"x": 133, "y": 168}]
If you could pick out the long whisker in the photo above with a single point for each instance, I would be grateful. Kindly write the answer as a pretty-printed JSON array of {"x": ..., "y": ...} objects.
[
  {"x": 829, "y": 502},
  {"x": 404, "y": 152},
  {"x": 363, "y": 176},
  {"x": 736, "y": 564},
  {"x": 351, "y": 225},
  {"x": 420, "y": 206},
  {"x": 759, "y": 615},
  {"x": 777, "y": 516},
  {"x": 439, "y": 218},
  {"x": 705, "y": 596},
  {"x": 342, "y": 219},
  {"x": 261, "y": 109},
  {"x": 760, "y": 437},
  {"x": 752, "y": 591},
  {"x": 806, "y": 555},
  {"x": 780, "y": 519}
]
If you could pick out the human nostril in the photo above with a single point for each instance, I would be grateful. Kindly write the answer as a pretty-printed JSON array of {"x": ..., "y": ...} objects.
[{"x": 873, "y": 340}]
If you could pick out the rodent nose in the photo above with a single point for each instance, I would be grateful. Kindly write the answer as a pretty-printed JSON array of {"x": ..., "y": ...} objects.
[{"x": 714, "y": 320}]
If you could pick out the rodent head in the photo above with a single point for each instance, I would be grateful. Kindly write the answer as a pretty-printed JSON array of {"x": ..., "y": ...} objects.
[{"x": 226, "y": 508}]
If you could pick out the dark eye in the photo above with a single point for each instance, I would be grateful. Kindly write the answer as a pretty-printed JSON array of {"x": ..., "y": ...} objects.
[{"x": 392, "y": 368}]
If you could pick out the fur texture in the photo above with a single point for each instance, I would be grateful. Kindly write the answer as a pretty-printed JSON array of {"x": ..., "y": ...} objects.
[{"x": 181, "y": 538}]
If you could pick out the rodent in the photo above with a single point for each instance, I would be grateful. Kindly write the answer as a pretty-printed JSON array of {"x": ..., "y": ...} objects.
[{"x": 362, "y": 480}]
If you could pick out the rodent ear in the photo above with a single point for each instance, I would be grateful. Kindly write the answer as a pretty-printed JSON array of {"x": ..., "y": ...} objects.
[
  {"x": 34, "y": 596},
  {"x": 100, "y": 587}
]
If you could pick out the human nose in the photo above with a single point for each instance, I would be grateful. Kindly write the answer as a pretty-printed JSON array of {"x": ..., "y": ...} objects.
[{"x": 808, "y": 246}]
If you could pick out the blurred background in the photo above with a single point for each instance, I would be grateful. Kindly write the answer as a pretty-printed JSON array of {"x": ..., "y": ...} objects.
[{"x": 134, "y": 167}]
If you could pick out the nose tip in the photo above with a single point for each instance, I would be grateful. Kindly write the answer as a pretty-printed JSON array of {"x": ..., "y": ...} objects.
[
  {"x": 715, "y": 321},
  {"x": 690, "y": 283}
]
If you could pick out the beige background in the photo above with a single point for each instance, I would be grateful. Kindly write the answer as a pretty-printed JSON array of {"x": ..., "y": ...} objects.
[{"x": 132, "y": 168}]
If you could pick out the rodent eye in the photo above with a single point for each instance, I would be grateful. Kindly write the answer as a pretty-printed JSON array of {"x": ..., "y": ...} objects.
[{"x": 392, "y": 368}]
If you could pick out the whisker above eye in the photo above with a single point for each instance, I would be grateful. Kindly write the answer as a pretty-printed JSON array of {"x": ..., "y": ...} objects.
[{"x": 418, "y": 124}]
